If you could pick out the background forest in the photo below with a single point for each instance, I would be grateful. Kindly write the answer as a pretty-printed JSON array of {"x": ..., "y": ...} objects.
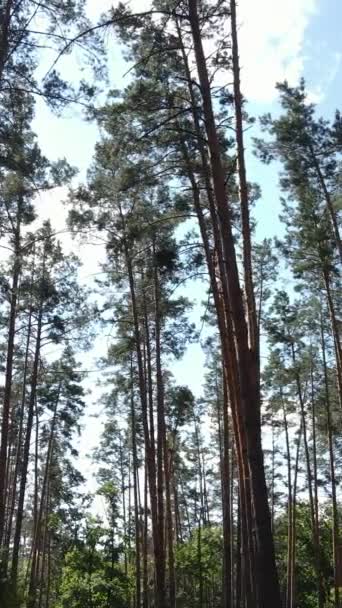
[{"x": 171, "y": 380}]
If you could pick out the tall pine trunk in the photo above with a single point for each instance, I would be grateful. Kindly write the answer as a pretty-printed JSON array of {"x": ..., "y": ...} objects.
[
  {"x": 328, "y": 201},
  {"x": 26, "y": 450},
  {"x": 5, "y": 21},
  {"x": 226, "y": 506},
  {"x": 161, "y": 436},
  {"x": 292, "y": 586},
  {"x": 314, "y": 526},
  {"x": 268, "y": 591},
  {"x": 136, "y": 499},
  {"x": 18, "y": 454},
  {"x": 149, "y": 444},
  {"x": 289, "y": 504},
  {"x": 40, "y": 512},
  {"x": 336, "y": 531},
  {"x": 8, "y": 378}
]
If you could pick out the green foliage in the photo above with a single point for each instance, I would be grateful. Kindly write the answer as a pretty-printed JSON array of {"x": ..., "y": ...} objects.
[
  {"x": 199, "y": 560},
  {"x": 91, "y": 577},
  {"x": 306, "y": 594}
]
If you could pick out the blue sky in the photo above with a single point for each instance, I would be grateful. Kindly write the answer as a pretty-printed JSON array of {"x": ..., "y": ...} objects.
[{"x": 278, "y": 39}]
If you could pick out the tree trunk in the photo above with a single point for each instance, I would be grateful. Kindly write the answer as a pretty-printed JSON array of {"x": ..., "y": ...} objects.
[
  {"x": 48, "y": 583},
  {"x": 19, "y": 438},
  {"x": 8, "y": 378},
  {"x": 136, "y": 501},
  {"x": 40, "y": 511},
  {"x": 145, "y": 536},
  {"x": 314, "y": 450},
  {"x": 149, "y": 447},
  {"x": 5, "y": 21},
  {"x": 199, "y": 561},
  {"x": 226, "y": 511},
  {"x": 26, "y": 451},
  {"x": 243, "y": 190},
  {"x": 45, "y": 552},
  {"x": 161, "y": 439},
  {"x": 336, "y": 531},
  {"x": 328, "y": 201},
  {"x": 221, "y": 298},
  {"x": 335, "y": 332},
  {"x": 268, "y": 591},
  {"x": 289, "y": 505},
  {"x": 315, "y": 533},
  {"x": 292, "y": 602},
  {"x": 238, "y": 575}
]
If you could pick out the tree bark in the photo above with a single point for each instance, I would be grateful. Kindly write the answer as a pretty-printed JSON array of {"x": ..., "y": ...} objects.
[
  {"x": 336, "y": 531},
  {"x": 226, "y": 510},
  {"x": 136, "y": 501},
  {"x": 315, "y": 533},
  {"x": 292, "y": 601},
  {"x": 26, "y": 450},
  {"x": 149, "y": 447},
  {"x": 335, "y": 332},
  {"x": 42, "y": 505},
  {"x": 289, "y": 504},
  {"x": 8, "y": 376},
  {"x": 161, "y": 438},
  {"x": 268, "y": 591},
  {"x": 18, "y": 454},
  {"x": 5, "y": 21},
  {"x": 328, "y": 201},
  {"x": 243, "y": 190}
]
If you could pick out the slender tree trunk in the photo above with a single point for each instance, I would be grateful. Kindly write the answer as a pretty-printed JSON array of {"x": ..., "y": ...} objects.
[
  {"x": 143, "y": 397},
  {"x": 205, "y": 491},
  {"x": 335, "y": 332},
  {"x": 8, "y": 376},
  {"x": 20, "y": 435},
  {"x": 292, "y": 602},
  {"x": 136, "y": 501},
  {"x": 123, "y": 499},
  {"x": 48, "y": 583},
  {"x": 232, "y": 528},
  {"x": 129, "y": 518},
  {"x": 169, "y": 527},
  {"x": 238, "y": 576},
  {"x": 161, "y": 438},
  {"x": 36, "y": 467},
  {"x": 243, "y": 190},
  {"x": 145, "y": 537},
  {"x": 336, "y": 531},
  {"x": 26, "y": 451},
  {"x": 289, "y": 504},
  {"x": 226, "y": 510},
  {"x": 5, "y": 21},
  {"x": 174, "y": 483},
  {"x": 272, "y": 473},
  {"x": 40, "y": 511},
  {"x": 199, "y": 469},
  {"x": 199, "y": 561},
  {"x": 45, "y": 547},
  {"x": 314, "y": 450},
  {"x": 328, "y": 201},
  {"x": 315, "y": 533}
]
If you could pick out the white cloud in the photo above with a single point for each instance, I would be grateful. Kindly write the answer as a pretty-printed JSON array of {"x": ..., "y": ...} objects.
[
  {"x": 316, "y": 95},
  {"x": 271, "y": 40}
]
